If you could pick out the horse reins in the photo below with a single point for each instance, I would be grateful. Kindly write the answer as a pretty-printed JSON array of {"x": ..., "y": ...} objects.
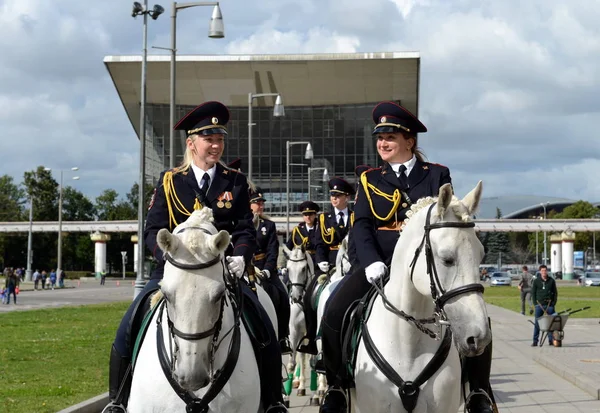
[
  {"x": 409, "y": 390},
  {"x": 219, "y": 378}
]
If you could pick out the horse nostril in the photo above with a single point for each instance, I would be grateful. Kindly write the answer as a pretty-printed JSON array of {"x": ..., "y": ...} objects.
[{"x": 471, "y": 341}]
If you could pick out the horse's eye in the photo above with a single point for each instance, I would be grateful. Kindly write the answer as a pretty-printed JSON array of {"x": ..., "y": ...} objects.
[{"x": 448, "y": 262}]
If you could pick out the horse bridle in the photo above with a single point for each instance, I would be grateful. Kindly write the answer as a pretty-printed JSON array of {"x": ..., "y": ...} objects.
[
  {"x": 303, "y": 285},
  {"x": 219, "y": 378},
  {"x": 438, "y": 293}
]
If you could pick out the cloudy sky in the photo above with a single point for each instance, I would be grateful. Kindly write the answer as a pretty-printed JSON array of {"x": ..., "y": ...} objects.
[{"x": 510, "y": 90}]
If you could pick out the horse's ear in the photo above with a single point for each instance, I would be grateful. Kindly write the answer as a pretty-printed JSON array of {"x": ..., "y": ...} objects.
[
  {"x": 471, "y": 200},
  {"x": 444, "y": 199},
  {"x": 167, "y": 241},
  {"x": 219, "y": 242},
  {"x": 286, "y": 251}
]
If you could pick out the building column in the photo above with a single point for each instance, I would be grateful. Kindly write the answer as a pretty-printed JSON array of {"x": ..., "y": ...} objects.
[
  {"x": 556, "y": 253},
  {"x": 134, "y": 239},
  {"x": 100, "y": 240},
  {"x": 568, "y": 243}
]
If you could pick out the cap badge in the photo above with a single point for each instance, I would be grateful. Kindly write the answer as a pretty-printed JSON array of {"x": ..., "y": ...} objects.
[
  {"x": 215, "y": 121},
  {"x": 383, "y": 119}
]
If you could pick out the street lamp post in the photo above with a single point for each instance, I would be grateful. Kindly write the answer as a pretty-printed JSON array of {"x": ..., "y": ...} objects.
[
  {"x": 216, "y": 30},
  {"x": 307, "y": 155},
  {"x": 544, "y": 205},
  {"x": 60, "y": 202},
  {"x": 29, "y": 241},
  {"x": 138, "y": 9},
  {"x": 278, "y": 111}
]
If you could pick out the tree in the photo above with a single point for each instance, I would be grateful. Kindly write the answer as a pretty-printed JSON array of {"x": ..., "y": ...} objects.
[
  {"x": 12, "y": 199},
  {"x": 497, "y": 245},
  {"x": 133, "y": 195},
  {"x": 78, "y": 249},
  {"x": 580, "y": 210}
]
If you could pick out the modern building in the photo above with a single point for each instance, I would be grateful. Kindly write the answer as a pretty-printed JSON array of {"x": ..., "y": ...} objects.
[{"x": 328, "y": 101}]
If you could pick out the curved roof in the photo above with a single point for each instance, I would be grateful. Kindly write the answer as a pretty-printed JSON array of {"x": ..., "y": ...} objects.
[{"x": 520, "y": 206}]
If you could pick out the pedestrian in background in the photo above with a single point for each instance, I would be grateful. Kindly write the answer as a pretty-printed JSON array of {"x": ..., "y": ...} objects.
[
  {"x": 11, "y": 284},
  {"x": 36, "y": 279},
  {"x": 52, "y": 279},
  {"x": 544, "y": 294},
  {"x": 44, "y": 276},
  {"x": 525, "y": 288}
]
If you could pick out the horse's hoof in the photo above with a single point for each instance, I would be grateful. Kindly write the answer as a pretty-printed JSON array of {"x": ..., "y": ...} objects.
[
  {"x": 295, "y": 384},
  {"x": 315, "y": 401},
  {"x": 321, "y": 393},
  {"x": 301, "y": 392}
]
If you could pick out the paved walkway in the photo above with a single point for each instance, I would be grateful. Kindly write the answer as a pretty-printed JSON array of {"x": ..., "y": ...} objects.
[{"x": 535, "y": 379}]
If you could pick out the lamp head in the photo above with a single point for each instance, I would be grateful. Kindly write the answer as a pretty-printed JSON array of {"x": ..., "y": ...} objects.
[
  {"x": 137, "y": 9},
  {"x": 309, "y": 152},
  {"x": 325, "y": 175},
  {"x": 216, "y": 29},
  {"x": 278, "y": 110},
  {"x": 157, "y": 10}
]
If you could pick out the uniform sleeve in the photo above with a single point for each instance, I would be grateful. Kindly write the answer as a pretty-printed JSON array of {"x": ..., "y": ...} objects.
[
  {"x": 290, "y": 242},
  {"x": 365, "y": 238},
  {"x": 243, "y": 235},
  {"x": 157, "y": 218},
  {"x": 321, "y": 249},
  {"x": 272, "y": 249},
  {"x": 445, "y": 179}
]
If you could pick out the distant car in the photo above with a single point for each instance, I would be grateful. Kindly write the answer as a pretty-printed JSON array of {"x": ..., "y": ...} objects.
[
  {"x": 591, "y": 279},
  {"x": 500, "y": 278},
  {"x": 577, "y": 274}
]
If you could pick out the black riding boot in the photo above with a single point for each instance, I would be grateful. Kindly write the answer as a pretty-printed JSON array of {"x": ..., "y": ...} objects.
[
  {"x": 310, "y": 317},
  {"x": 119, "y": 379},
  {"x": 481, "y": 398}
]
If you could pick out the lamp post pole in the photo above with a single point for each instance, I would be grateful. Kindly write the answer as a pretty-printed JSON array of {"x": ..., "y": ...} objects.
[
  {"x": 139, "y": 279},
  {"x": 216, "y": 31},
  {"x": 29, "y": 241},
  {"x": 60, "y": 198},
  {"x": 308, "y": 155},
  {"x": 278, "y": 111},
  {"x": 544, "y": 205}
]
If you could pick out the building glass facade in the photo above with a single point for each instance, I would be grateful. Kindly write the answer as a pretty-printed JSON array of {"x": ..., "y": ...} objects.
[{"x": 340, "y": 136}]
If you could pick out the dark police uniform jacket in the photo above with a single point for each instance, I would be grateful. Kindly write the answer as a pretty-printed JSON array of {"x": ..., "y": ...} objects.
[
  {"x": 378, "y": 217},
  {"x": 267, "y": 246},
  {"x": 227, "y": 196},
  {"x": 332, "y": 234},
  {"x": 310, "y": 239}
]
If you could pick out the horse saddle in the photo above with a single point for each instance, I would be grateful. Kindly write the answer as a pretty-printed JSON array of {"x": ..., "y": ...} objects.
[
  {"x": 138, "y": 322},
  {"x": 254, "y": 323},
  {"x": 356, "y": 316}
]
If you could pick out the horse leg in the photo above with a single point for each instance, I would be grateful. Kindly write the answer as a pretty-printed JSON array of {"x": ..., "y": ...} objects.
[{"x": 301, "y": 378}]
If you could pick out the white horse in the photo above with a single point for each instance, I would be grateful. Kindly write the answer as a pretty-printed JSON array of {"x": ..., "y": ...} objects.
[
  {"x": 342, "y": 267},
  {"x": 435, "y": 260},
  {"x": 300, "y": 271},
  {"x": 196, "y": 344}
]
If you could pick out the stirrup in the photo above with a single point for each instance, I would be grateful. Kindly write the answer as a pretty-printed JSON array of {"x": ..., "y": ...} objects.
[
  {"x": 277, "y": 405},
  {"x": 482, "y": 393},
  {"x": 335, "y": 389},
  {"x": 114, "y": 408}
]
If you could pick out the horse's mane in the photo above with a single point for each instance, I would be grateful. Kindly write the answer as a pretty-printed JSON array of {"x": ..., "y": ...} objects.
[{"x": 460, "y": 211}]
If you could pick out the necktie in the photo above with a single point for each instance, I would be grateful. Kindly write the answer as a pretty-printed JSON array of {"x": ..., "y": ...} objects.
[
  {"x": 341, "y": 220},
  {"x": 205, "y": 183},
  {"x": 402, "y": 178}
]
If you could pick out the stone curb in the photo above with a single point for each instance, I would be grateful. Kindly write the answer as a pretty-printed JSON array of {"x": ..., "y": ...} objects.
[
  {"x": 93, "y": 405},
  {"x": 577, "y": 378}
]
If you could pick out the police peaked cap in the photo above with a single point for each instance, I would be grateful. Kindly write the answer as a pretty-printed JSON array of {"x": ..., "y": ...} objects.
[
  {"x": 340, "y": 186},
  {"x": 309, "y": 207},
  {"x": 209, "y": 118},
  {"x": 389, "y": 117},
  {"x": 256, "y": 195}
]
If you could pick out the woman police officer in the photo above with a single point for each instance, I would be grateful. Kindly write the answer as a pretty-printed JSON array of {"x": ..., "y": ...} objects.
[
  {"x": 200, "y": 181},
  {"x": 378, "y": 218},
  {"x": 265, "y": 259}
]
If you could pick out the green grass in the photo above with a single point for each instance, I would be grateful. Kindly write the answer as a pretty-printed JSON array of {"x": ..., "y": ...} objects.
[
  {"x": 568, "y": 297},
  {"x": 53, "y": 358}
]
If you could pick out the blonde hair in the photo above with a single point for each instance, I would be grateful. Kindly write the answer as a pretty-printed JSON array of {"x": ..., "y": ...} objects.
[{"x": 188, "y": 156}]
